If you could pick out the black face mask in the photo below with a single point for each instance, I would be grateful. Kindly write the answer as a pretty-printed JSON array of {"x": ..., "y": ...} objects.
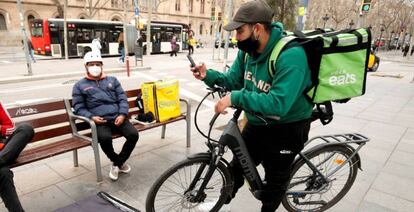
[{"x": 250, "y": 45}]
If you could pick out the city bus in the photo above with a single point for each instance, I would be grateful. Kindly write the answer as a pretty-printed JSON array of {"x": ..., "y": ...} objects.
[{"x": 48, "y": 37}]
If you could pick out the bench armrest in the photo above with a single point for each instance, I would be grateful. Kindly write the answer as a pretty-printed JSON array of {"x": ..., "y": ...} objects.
[
  {"x": 73, "y": 118},
  {"x": 188, "y": 106}
]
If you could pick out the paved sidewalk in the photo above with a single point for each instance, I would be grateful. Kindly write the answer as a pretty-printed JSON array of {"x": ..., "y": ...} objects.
[
  {"x": 385, "y": 114},
  {"x": 395, "y": 56}
]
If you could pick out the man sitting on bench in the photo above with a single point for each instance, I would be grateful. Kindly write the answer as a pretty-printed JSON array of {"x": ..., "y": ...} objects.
[
  {"x": 102, "y": 99},
  {"x": 12, "y": 142}
]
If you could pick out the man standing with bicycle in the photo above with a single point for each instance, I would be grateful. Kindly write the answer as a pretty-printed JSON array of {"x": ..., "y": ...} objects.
[{"x": 255, "y": 89}]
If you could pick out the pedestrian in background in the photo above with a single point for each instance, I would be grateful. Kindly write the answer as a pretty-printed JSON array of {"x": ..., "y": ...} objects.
[
  {"x": 12, "y": 142},
  {"x": 121, "y": 47},
  {"x": 96, "y": 45},
  {"x": 405, "y": 49},
  {"x": 191, "y": 43},
  {"x": 174, "y": 46},
  {"x": 31, "y": 49}
]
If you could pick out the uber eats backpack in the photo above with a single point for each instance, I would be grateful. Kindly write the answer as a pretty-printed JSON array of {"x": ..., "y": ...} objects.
[{"x": 338, "y": 62}]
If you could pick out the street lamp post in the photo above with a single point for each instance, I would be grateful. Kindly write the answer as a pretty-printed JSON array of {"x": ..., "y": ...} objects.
[
  {"x": 325, "y": 19},
  {"x": 351, "y": 24}
]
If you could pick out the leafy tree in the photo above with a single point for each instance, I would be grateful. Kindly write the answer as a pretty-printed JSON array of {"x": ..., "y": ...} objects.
[{"x": 285, "y": 12}]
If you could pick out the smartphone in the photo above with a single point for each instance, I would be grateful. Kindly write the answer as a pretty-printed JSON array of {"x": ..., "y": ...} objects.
[
  {"x": 191, "y": 60},
  {"x": 193, "y": 64}
]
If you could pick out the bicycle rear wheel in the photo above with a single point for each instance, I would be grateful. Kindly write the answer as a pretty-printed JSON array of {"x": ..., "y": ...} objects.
[
  {"x": 304, "y": 179},
  {"x": 172, "y": 192}
]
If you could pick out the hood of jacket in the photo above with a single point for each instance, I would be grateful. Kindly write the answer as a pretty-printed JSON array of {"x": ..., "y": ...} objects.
[{"x": 275, "y": 35}]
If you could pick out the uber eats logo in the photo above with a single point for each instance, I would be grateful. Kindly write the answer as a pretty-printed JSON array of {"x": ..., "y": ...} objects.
[{"x": 341, "y": 77}]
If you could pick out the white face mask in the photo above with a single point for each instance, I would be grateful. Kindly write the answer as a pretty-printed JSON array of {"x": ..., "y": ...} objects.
[{"x": 95, "y": 71}]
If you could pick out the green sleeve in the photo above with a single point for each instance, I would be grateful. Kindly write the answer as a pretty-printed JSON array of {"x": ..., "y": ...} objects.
[
  {"x": 232, "y": 79},
  {"x": 291, "y": 78}
]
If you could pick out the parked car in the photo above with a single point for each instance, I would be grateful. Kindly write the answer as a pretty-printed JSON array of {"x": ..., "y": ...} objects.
[{"x": 373, "y": 62}]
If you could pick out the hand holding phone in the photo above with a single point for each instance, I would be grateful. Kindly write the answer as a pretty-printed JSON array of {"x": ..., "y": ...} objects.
[{"x": 193, "y": 65}]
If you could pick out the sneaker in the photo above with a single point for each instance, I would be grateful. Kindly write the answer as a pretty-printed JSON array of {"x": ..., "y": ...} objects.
[
  {"x": 113, "y": 172},
  {"x": 207, "y": 206},
  {"x": 125, "y": 168}
]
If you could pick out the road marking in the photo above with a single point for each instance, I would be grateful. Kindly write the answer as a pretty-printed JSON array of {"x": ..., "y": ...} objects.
[
  {"x": 194, "y": 84},
  {"x": 6, "y": 61},
  {"x": 385, "y": 62}
]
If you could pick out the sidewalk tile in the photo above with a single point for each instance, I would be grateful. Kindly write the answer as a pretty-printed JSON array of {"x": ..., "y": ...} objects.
[
  {"x": 398, "y": 186},
  {"x": 367, "y": 206},
  {"x": 391, "y": 202},
  {"x": 35, "y": 178},
  {"x": 47, "y": 199},
  {"x": 402, "y": 157}
]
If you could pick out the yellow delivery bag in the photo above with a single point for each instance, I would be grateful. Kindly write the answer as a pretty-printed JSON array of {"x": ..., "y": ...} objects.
[{"x": 162, "y": 99}]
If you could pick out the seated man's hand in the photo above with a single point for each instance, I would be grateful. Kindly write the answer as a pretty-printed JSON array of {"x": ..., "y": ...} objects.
[
  {"x": 98, "y": 120},
  {"x": 119, "y": 120}
]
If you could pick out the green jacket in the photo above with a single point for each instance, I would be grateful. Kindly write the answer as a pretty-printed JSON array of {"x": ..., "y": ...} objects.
[{"x": 253, "y": 89}]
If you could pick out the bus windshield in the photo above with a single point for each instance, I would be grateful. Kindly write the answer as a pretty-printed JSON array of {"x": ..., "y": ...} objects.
[{"x": 37, "y": 30}]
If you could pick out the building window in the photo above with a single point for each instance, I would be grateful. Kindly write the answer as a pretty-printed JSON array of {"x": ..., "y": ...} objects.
[
  {"x": 177, "y": 5},
  {"x": 201, "y": 29},
  {"x": 30, "y": 19},
  {"x": 190, "y": 5},
  {"x": 115, "y": 19},
  {"x": 211, "y": 30},
  {"x": 3, "y": 25},
  {"x": 115, "y": 3},
  {"x": 202, "y": 6}
]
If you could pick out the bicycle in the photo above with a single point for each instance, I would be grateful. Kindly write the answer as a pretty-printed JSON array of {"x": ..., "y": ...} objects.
[{"x": 317, "y": 179}]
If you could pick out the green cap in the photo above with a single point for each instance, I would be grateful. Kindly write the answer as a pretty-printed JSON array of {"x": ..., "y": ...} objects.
[{"x": 257, "y": 11}]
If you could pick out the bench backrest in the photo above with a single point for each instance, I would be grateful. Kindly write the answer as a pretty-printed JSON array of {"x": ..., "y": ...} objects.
[
  {"x": 48, "y": 119},
  {"x": 51, "y": 120},
  {"x": 132, "y": 96}
]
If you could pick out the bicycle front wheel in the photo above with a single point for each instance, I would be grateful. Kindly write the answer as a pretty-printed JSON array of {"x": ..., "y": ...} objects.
[
  {"x": 324, "y": 194},
  {"x": 177, "y": 188}
]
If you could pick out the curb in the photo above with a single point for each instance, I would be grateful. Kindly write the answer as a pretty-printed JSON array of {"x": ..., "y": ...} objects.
[{"x": 62, "y": 75}]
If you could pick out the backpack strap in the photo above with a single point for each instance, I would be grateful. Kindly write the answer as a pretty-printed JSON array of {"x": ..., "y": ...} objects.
[{"x": 276, "y": 52}]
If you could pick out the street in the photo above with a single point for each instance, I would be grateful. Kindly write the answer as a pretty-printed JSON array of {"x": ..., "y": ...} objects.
[{"x": 385, "y": 114}]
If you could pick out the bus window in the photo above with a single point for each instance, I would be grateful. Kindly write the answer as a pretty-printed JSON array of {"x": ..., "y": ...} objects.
[
  {"x": 54, "y": 35},
  {"x": 113, "y": 36},
  {"x": 84, "y": 35}
]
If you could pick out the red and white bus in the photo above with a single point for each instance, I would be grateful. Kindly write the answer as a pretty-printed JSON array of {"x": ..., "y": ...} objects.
[{"x": 48, "y": 37}]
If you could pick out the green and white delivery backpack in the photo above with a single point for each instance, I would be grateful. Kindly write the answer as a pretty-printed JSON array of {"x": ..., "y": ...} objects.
[{"x": 338, "y": 61}]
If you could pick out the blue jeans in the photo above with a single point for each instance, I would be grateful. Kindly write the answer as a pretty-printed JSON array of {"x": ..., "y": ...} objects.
[
  {"x": 122, "y": 58},
  {"x": 13, "y": 146},
  {"x": 32, "y": 55}
]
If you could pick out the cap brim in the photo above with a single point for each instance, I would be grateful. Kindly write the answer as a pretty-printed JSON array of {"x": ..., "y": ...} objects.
[{"x": 233, "y": 25}]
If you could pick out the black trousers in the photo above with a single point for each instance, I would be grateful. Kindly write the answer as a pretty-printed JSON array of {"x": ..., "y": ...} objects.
[
  {"x": 127, "y": 130},
  {"x": 276, "y": 156},
  {"x": 173, "y": 52},
  {"x": 190, "y": 49},
  {"x": 13, "y": 146}
]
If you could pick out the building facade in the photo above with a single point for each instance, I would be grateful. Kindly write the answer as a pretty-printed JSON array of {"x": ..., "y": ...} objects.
[{"x": 196, "y": 13}]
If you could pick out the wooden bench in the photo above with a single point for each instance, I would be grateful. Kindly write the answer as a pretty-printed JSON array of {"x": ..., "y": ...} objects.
[{"x": 57, "y": 131}]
